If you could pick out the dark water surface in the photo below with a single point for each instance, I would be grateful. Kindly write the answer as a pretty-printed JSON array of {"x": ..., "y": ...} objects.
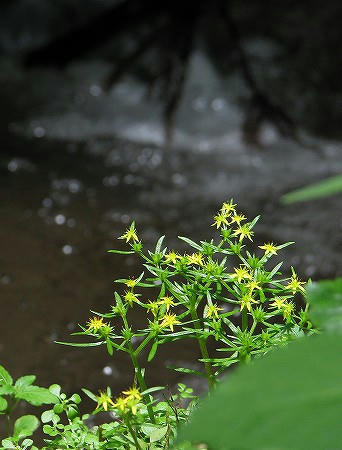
[{"x": 65, "y": 199}]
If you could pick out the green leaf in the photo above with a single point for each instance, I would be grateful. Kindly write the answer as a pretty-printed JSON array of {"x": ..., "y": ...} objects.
[
  {"x": 159, "y": 244},
  {"x": 154, "y": 432},
  {"x": 90, "y": 394},
  {"x": 109, "y": 347},
  {"x": 152, "y": 389},
  {"x": 326, "y": 300},
  {"x": 120, "y": 252},
  {"x": 55, "y": 389},
  {"x": 50, "y": 416},
  {"x": 5, "y": 377},
  {"x": 3, "y": 404},
  {"x": 330, "y": 186},
  {"x": 153, "y": 351},
  {"x": 7, "y": 443},
  {"x": 79, "y": 344},
  {"x": 158, "y": 434},
  {"x": 6, "y": 390},
  {"x": 51, "y": 431},
  {"x": 76, "y": 399},
  {"x": 191, "y": 243},
  {"x": 291, "y": 398},
  {"x": 25, "y": 381},
  {"x": 35, "y": 395},
  {"x": 25, "y": 426},
  {"x": 185, "y": 370}
]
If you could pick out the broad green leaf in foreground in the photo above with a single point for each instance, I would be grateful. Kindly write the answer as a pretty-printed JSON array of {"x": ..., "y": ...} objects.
[
  {"x": 324, "y": 188},
  {"x": 291, "y": 399},
  {"x": 326, "y": 304},
  {"x": 5, "y": 377},
  {"x": 35, "y": 395},
  {"x": 25, "y": 426}
]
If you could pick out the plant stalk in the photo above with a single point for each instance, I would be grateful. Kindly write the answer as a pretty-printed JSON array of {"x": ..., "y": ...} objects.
[
  {"x": 203, "y": 349},
  {"x": 142, "y": 383},
  {"x": 133, "y": 434},
  {"x": 244, "y": 319}
]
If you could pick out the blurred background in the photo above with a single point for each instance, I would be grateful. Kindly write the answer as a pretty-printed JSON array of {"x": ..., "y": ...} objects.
[{"x": 113, "y": 111}]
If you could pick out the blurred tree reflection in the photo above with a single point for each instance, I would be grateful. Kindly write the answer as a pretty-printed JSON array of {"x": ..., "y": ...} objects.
[{"x": 292, "y": 77}]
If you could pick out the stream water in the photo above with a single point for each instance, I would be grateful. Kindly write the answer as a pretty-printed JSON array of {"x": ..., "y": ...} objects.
[{"x": 78, "y": 165}]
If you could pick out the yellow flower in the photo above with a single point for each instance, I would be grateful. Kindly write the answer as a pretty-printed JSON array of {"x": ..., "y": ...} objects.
[
  {"x": 213, "y": 311},
  {"x": 228, "y": 207},
  {"x": 244, "y": 231},
  {"x": 237, "y": 218},
  {"x": 288, "y": 310},
  {"x": 172, "y": 257},
  {"x": 219, "y": 220},
  {"x": 130, "y": 233},
  {"x": 295, "y": 285},
  {"x": 167, "y": 301},
  {"x": 195, "y": 258},
  {"x": 246, "y": 302},
  {"x": 132, "y": 393},
  {"x": 253, "y": 285},
  {"x": 269, "y": 248},
  {"x": 279, "y": 303},
  {"x": 95, "y": 324},
  {"x": 121, "y": 404},
  {"x": 153, "y": 307},
  {"x": 104, "y": 400},
  {"x": 131, "y": 282},
  {"x": 130, "y": 297},
  {"x": 169, "y": 320},
  {"x": 241, "y": 274}
]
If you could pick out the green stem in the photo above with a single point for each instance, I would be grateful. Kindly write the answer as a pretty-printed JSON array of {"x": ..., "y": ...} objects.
[
  {"x": 144, "y": 343},
  {"x": 203, "y": 349},
  {"x": 142, "y": 383},
  {"x": 139, "y": 374},
  {"x": 8, "y": 424},
  {"x": 244, "y": 319},
  {"x": 133, "y": 434}
]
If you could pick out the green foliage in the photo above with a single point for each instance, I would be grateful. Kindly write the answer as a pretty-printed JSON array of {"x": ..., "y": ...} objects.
[
  {"x": 222, "y": 294},
  {"x": 325, "y": 188},
  {"x": 326, "y": 299},
  {"x": 196, "y": 296},
  {"x": 290, "y": 399}
]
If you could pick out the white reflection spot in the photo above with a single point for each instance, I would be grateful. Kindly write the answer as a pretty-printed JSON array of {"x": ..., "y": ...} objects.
[
  {"x": 95, "y": 90},
  {"x": 67, "y": 249},
  {"x": 60, "y": 219},
  {"x": 39, "y": 132},
  {"x": 107, "y": 370}
]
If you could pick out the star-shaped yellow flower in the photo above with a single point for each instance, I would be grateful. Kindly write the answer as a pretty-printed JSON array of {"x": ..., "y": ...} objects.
[
  {"x": 130, "y": 234},
  {"x": 295, "y": 285},
  {"x": 167, "y": 301},
  {"x": 132, "y": 393},
  {"x": 213, "y": 311},
  {"x": 195, "y": 258},
  {"x": 241, "y": 274},
  {"x": 172, "y": 257},
  {"x": 237, "y": 218},
  {"x": 95, "y": 324},
  {"x": 244, "y": 231},
  {"x": 169, "y": 320},
  {"x": 130, "y": 297},
  {"x": 269, "y": 248},
  {"x": 246, "y": 302},
  {"x": 104, "y": 401},
  {"x": 228, "y": 207},
  {"x": 219, "y": 220}
]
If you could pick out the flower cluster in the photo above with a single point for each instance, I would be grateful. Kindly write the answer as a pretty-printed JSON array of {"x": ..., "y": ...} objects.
[
  {"x": 218, "y": 291},
  {"x": 126, "y": 403}
]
